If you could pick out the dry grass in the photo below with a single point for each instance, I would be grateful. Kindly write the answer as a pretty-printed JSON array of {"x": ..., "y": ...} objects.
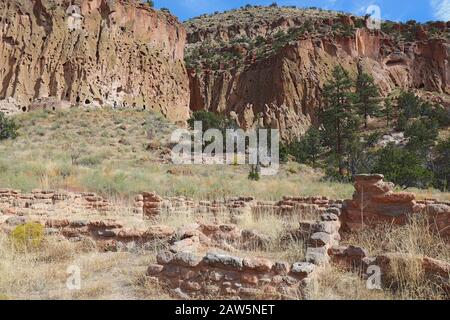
[
  {"x": 42, "y": 274},
  {"x": 406, "y": 279},
  {"x": 415, "y": 238},
  {"x": 114, "y": 162},
  {"x": 336, "y": 284},
  {"x": 110, "y": 147}
]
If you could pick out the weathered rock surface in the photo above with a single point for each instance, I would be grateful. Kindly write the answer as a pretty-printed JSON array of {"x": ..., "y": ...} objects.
[
  {"x": 286, "y": 84},
  {"x": 118, "y": 53},
  {"x": 222, "y": 274},
  {"x": 375, "y": 202}
]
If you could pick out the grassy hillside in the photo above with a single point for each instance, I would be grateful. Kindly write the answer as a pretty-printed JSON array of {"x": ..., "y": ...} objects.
[{"x": 108, "y": 152}]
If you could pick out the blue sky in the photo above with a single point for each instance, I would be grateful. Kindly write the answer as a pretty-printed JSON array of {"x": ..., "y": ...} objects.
[{"x": 397, "y": 10}]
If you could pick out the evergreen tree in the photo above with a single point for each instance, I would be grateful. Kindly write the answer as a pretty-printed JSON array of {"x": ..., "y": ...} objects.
[
  {"x": 388, "y": 111},
  {"x": 402, "y": 167},
  {"x": 368, "y": 97},
  {"x": 338, "y": 117},
  {"x": 409, "y": 105},
  {"x": 422, "y": 134},
  {"x": 309, "y": 148},
  {"x": 441, "y": 165}
]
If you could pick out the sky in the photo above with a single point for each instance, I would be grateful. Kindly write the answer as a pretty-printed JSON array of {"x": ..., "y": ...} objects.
[{"x": 395, "y": 10}]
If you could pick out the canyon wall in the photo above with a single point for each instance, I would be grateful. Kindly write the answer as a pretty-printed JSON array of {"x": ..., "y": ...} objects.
[
  {"x": 292, "y": 77},
  {"x": 117, "y": 53}
]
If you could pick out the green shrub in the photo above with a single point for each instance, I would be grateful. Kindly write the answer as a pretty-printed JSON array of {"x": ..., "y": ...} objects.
[
  {"x": 409, "y": 104},
  {"x": 403, "y": 167},
  {"x": 422, "y": 133},
  {"x": 27, "y": 236},
  {"x": 8, "y": 128},
  {"x": 441, "y": 165},
  {"x": 90, "y": 161},
  {"x": 254, "y": 176}
]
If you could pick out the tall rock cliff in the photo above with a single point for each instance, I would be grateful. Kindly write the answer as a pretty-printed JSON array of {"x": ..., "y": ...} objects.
[
  {"x": 275, "y": 61},
  {"x": 93, "y": 53}
]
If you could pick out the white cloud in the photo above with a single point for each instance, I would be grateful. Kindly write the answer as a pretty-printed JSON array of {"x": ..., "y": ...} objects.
[{"x": 441, "y": 9}]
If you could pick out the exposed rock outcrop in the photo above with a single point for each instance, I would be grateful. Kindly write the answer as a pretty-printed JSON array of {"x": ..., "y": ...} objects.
[
  {"x": 118, "y": 53},
  {"x": 268, "y": 70}
]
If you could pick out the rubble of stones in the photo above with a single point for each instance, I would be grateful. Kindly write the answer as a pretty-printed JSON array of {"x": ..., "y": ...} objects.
[{"x": 202, "y": 260}]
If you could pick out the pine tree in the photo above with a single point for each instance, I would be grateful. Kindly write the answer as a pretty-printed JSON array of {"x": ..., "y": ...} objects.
[
  {"x": 368, "y": 97},
  {"x": 388, "y": 111},
  {"x": 309, "y": 148},
  {"x": 338, "y": 117}
]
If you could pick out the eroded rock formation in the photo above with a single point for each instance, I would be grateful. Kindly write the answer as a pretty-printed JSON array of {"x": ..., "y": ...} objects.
[
  {"x": 268, "y": 71},
  {"x": 117, "y": 53}
]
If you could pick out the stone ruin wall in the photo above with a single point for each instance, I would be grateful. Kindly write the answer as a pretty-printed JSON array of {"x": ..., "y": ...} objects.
[
  {"x": 374, "y": 202},
  {"x": 191, "y": 273},
  {"x": 202, "y": 260},
  {"x": 151, "y": 205}
]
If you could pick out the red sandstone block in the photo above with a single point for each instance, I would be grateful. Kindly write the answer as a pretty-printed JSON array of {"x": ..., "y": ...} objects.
[
  {"x": 57, "y": 223},
  {"x": 249, "y": 279},
  {"x": 257, "y": 264},
  {"x": 154, "y": 269},
  {"x": 399, "y": 197}
]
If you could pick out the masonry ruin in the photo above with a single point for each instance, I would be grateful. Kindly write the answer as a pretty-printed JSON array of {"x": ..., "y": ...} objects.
[{"x": 202, "y": 260}]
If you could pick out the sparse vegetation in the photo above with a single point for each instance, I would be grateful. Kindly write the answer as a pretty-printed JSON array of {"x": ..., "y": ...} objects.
[
  {"x": 8, "y": 128},
  {"x": 121, "y": 171},
  {"x": 28, "y": 236}
]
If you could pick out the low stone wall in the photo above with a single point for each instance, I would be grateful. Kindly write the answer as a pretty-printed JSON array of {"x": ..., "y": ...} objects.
[
  {"x": 47, "y": 202},
  {"x": 215, "y": 274},
  {"x": 152, "y": 205},
  {"x": 106, "y": 235},
  {"x": 191, "y": 274}
]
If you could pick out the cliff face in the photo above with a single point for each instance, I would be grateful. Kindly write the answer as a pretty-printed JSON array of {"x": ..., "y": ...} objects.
[
  {"x": 94, "y": 53},
  {"x": 278, "y": 63}
]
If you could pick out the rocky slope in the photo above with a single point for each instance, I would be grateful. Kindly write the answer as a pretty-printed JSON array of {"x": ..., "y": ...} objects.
[
  {"x": 98, "y": 52},
  {"x": 276, "y": 60}
]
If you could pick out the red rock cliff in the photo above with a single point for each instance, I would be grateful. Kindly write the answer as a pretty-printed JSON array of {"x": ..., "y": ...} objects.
[
  {"x": 98, "y": 52},
  {"x": 266, "y": 72}
]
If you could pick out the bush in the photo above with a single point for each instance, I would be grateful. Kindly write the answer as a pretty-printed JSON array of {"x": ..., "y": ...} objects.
[
  {"x": 441, "y": 165},
  {"x": 403, "y": 167},
  {"x": 307, "y": 150},
  {"x": 27, "y": 236},
  {"x": 253, "y": 175},
  {"x": 422, "y": 134},
  {"x": 208, "y": 119},
  {"x": 8, "y": 128},
  {"x": 409, "y": 104}
]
